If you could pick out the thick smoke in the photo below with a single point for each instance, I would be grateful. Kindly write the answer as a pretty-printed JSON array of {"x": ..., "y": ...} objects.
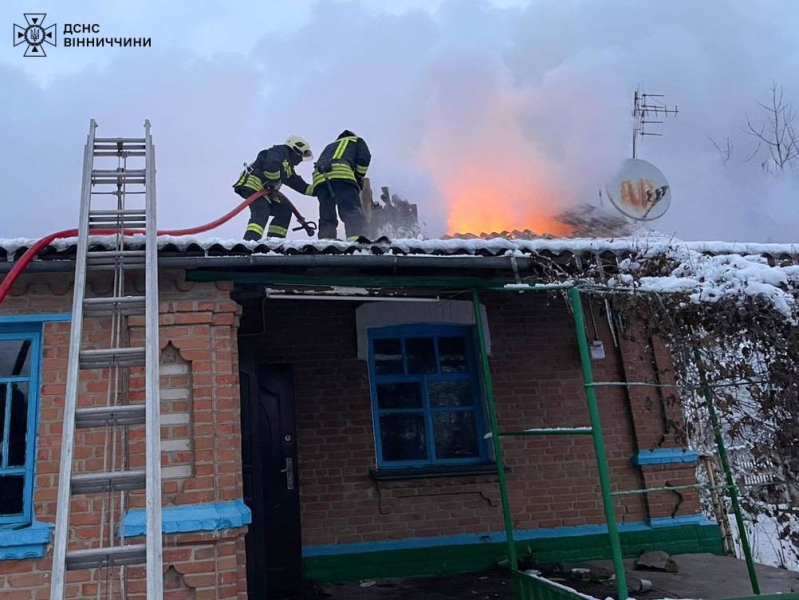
[{"x": 490, "y": 118}]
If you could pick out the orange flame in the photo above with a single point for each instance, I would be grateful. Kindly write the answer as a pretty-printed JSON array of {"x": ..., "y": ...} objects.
[
  {"x": 493, "y": 176},
  {"x": 473, "y": 211},
  {"x": 513, "y": 200}
]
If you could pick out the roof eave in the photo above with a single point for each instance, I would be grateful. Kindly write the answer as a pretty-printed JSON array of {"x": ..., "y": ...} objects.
[{"x": 510, "y": 263}]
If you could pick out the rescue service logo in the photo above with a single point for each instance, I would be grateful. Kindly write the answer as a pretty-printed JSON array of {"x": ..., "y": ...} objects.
[{"x": 35, "y": 34}]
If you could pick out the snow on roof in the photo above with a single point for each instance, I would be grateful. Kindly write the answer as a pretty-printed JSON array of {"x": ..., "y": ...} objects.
[
  {"x": 705, "y": 271},
  {"x": 709, "y": 278},
  {"x": 648, "y": 243}
]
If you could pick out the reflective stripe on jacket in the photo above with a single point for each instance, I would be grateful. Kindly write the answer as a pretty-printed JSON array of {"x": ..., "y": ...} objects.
[
  {"x": 345, "y": 159},
  {"x": 273, "y": 166}
]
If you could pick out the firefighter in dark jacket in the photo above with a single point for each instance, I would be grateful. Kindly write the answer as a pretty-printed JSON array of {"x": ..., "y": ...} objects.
[
  {"x": 337, "y": 182},
  {"x": 272, "y": 168}
]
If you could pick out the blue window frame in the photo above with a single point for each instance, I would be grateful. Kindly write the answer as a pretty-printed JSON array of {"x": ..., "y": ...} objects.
[
  {"x": 19, "y": 405},
  {"x": 426, "y": 399}
]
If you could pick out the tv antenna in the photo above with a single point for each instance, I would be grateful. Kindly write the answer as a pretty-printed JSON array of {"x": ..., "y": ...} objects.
[{"x": 648, "y": 110}]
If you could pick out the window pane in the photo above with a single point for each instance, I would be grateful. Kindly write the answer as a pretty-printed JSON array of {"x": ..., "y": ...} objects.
[
  {"x": 402, "y": 437},
  {"x": 15, "y": 358},
  {"x": 399, "y": 395},
  {"x": 18, "y": 432},
  {"x": 3, "y": 387},
  {"x": 388, "y": 357},
  {"x": 11, "y": 490},
  {"x": 445, "y": 394},
  {"x": 421, "y": 355},
  {"x": 452, "y": 354},
  {"x": 456, "y": 435}
]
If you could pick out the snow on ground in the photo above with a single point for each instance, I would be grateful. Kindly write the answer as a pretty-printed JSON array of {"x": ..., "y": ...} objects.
[{"x": 764, "y": 539}]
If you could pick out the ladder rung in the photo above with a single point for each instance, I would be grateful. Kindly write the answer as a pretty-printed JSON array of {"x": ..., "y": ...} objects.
[
  {"x": 115, "y": 254},
  {"x": 117, "y": 223},
  {"x": 117, "y": 172},
  {"x": 109, "y": 152},
  {"x": 118, "y": 183},
  {"x": 100, "y": 416},
  {"x": 99, "y": 140},
  {"x": 127, "y": 193},
  {"x": 133, "y": 212},
  {"x": 112, "y": 176},
  {"x": 130, "y": 178},
  {"x": 90, "y": 483},
  {"x": 119, "y": 145},
  {"x": 111, "y": 258},
  {"x": 113, "y": 556},
  {"x": 117, "y": 149},
  {"x": 126, "y": 305},
  {"x": 124, "y": 142},
  {"x": 121, "y": 178},
  {"x": 126, "y": 265},
  {"x": 110, "y": 357},
  {"x": 123, "y": 218}
]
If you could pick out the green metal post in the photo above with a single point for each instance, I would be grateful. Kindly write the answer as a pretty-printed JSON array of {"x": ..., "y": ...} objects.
[
  {"x": 725, "y": 464},
  {"x": 599, "y": 443},
  {"x": 495, "y": 438}
]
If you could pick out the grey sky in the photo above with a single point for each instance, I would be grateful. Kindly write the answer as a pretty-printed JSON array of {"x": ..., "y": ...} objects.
[{"x": 516, "y": 97}]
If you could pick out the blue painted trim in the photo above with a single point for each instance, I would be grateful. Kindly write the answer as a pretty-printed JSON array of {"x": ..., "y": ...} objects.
[
  {"x": 190, "y": 518},
  {"x": 664, "y": 456},
  {"x": 498, "y": 537},
  {"x": 27, "y": 542},
  {"x": 43, "y": 318},
  {"x": 660, "y": 522}
]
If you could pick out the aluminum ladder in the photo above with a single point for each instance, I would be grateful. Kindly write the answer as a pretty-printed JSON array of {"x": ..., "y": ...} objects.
[{"x": 131, "y": 188}]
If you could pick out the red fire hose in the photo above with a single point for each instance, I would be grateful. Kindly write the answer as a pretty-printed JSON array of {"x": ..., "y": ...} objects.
[{"x": 34, "y": 250}]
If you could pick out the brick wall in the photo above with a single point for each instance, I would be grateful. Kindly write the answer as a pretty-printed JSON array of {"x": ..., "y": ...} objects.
[
  {"x": 537, "y": 381},
  {"x": 658, "y": 420},
  {"x": 200, "y": 436}
]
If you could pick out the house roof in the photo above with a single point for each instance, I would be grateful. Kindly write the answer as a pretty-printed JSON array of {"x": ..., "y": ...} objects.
[
  {"x": 704, "y": 271},
  {"x": 487, "y": 245}
]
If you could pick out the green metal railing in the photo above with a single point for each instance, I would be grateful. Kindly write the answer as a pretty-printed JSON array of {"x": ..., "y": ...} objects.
[
  {"x": 533, "y": 587},
  {"x": 599, "y": 442},
  {"x": 729, "y": 480},
  {"x": 495, "y": 438},
  {"x": 595, "y": 430},
  {"x": 527, "y": 587}
]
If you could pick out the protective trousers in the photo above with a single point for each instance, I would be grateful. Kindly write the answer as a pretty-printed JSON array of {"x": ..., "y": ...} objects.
[
  {"x": 260, "y": 211},
  {"x": 347, "y": 197}
]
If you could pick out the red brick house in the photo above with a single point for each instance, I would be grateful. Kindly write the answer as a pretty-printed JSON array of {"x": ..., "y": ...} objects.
[{"x": 310, "y": 431}]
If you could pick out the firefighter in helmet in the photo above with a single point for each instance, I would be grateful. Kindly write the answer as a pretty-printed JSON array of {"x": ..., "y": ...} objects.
[
  {"x": 272, "y": 168},
  {"x": 337, "y": 182}
]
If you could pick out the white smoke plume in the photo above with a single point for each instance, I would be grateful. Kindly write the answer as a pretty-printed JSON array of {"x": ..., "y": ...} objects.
[{"x": 490, "y": 115}]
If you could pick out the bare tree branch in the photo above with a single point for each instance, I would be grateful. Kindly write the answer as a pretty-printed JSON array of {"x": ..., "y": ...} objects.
[
  {"x": 724, "y": 152},
  {"x": 755, "y": 153},
  {"x": 776, "y": 132}
]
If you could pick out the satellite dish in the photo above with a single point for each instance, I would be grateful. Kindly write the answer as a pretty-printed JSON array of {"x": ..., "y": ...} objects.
[{"x": 640, "y": 191}]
